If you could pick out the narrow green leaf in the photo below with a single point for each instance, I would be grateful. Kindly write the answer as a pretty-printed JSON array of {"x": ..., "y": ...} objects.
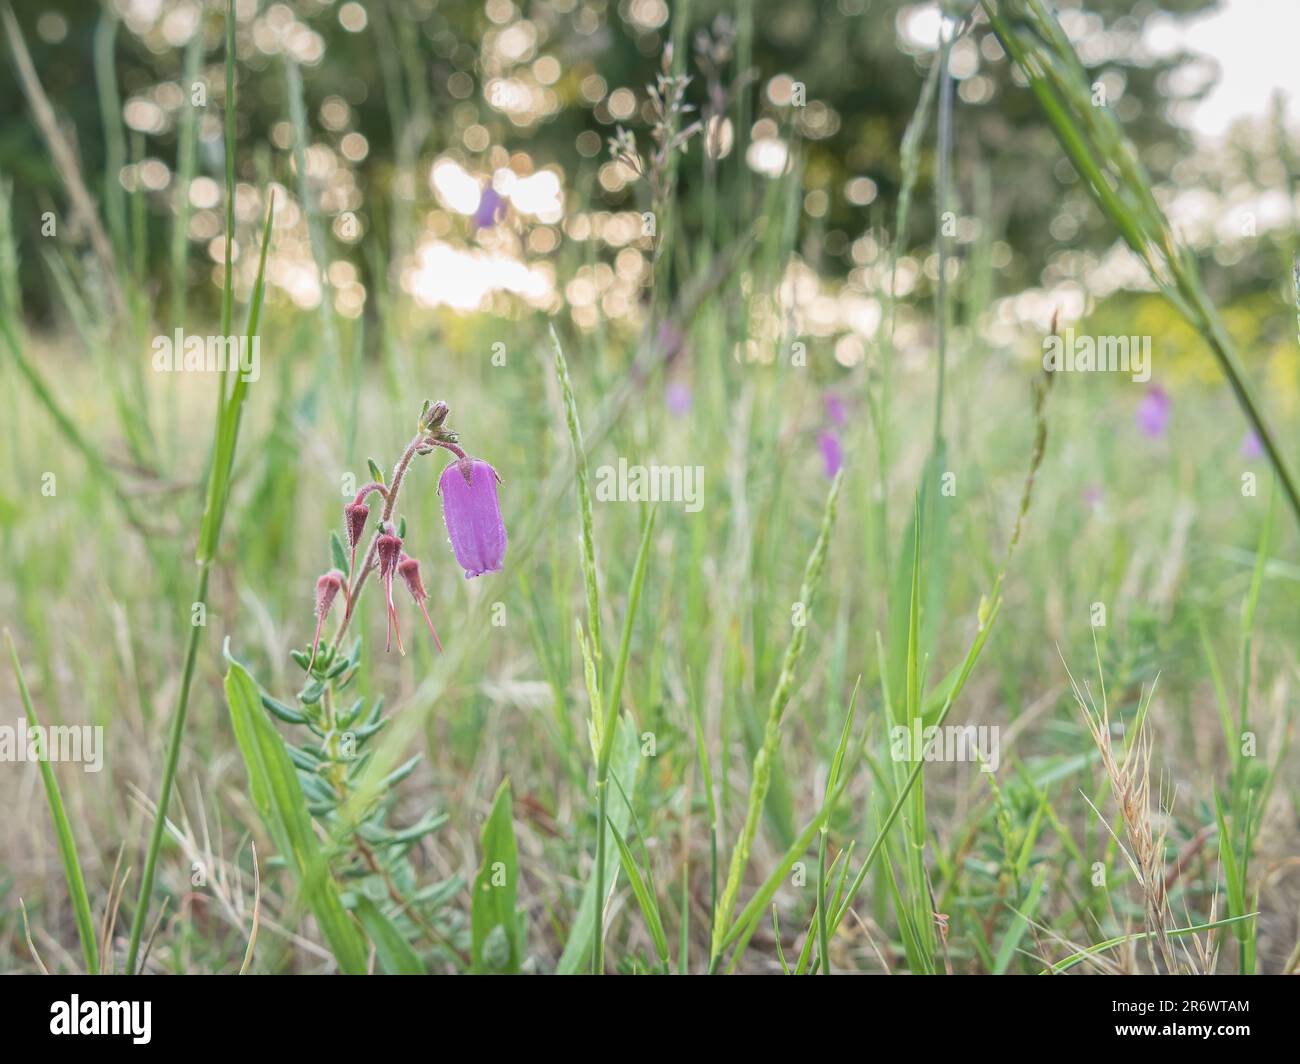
[
  {"x": 625, "y": 764},
  {"x": 278, "y": 797},
  {"x": 761, "y": 770},
  {"x": 1110, "y": 943},
  {"x": 393, "y": 952},
  {"x": 338, "y": 555},
  {"x": 494, "y": 928},
  {"x": 1020, "y": 923},
  {"x": 649, "y": 905},
  {"x": 62, "y": 829}
]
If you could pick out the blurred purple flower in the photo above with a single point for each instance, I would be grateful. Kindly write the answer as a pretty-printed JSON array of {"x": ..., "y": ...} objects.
[
  {"x": 678, "y": 398},
  {"x": 1093, "y": 496},
  {"x": 836, "y": 410},
  {"x": 1153, "y": 412},
  {"x": 828, "y": 442},
  {"x": 1251, "y": 447},
  {"x": 473, "y": 515},
  {"x": 491, "y": 209}
]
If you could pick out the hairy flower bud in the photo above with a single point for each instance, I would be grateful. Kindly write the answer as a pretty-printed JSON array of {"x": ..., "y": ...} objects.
[
  {"x": 409, "y": 569},
  {"x": 354, "y": 522},
  {"x": 327, "y": 589},
  {"x": 355, "y": 515},
  {"x": 434, "y": 416}
]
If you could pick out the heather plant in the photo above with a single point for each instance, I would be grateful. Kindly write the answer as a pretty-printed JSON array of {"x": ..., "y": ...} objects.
[{"x": 370, "y": 856}]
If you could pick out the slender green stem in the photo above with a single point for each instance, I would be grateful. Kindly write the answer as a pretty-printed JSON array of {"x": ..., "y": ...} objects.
[
  {"x": 598, "y": 943},
  {"x": 823, "y": 939},
  {"x": 226, "y": 434},
  {"x": 610, "y": 721},
  {"x": 761, "y": 771},
  {"x": 169, "y": 775},
  {"x": 940, "y": 236}
]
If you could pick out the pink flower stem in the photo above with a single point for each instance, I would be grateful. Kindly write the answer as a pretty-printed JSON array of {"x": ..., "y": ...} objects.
[{"x": 366, "y": 489}]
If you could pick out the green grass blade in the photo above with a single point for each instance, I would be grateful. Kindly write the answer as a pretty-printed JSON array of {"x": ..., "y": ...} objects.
[
  {"x": 625, "y": 764},
  {"x": 1236, "y": 889},
  {"x": 589, "y": 577},
  {"x": 494, "y": 925},
  {"x": 110, "y": 117},
  {"x": 62, "y": 830},
  {"x": 644, "y": 898},
  {"x": 972, "y": 656},
  {"x": 611, "y": 704},
  {"x": 757, "y": 905},
  {"x": 278, "y": 797},
  {"x": 1078, "y": 958},
  {"x": 761, "y": 772},
  {"x": 187, "y": 158},
  {"x": 226, "y": 434},
  {"x": 393, "y": 952},
  {"x": 832, "y": 783},
  {"x": 1011, "y": 940}
]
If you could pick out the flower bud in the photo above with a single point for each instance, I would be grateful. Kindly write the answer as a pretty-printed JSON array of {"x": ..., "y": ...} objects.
[
  {"x": 327, "y": 589},
  {"x": 389, "y": 548},
  {"x": 409, "y": 569},
  {"x": 354, "y": 523},
  {"x": 435, "y": 415},
  {"x": 354, "y": 518}
]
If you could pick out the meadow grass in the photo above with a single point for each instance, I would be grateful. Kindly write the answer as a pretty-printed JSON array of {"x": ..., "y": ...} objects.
[{"x": 654, "y": 730}]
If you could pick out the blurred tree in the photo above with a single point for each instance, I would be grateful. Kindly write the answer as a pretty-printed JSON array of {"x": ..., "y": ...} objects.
[{"x": 555, "y": 78}]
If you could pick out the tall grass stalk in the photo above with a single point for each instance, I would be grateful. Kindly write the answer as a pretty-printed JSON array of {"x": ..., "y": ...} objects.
[
  {"x": 187, "y": 157},
  {"x": 604, "y": 710},
  {"x": 941, "y": 225},
  {"x": 226, "y": 434},
  {"x": 606, "y": 735},
  {"x": 910, "y": 168},
  {"x": 110, "y": 117},
  {"x": 761, "y": 772}
]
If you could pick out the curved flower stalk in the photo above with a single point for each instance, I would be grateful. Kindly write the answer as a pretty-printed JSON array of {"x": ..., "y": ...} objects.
[{"x": 471, "y": 511}]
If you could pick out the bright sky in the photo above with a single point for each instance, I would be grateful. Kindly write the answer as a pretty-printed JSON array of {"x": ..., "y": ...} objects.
[{"x": 1257, "y": 46}]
